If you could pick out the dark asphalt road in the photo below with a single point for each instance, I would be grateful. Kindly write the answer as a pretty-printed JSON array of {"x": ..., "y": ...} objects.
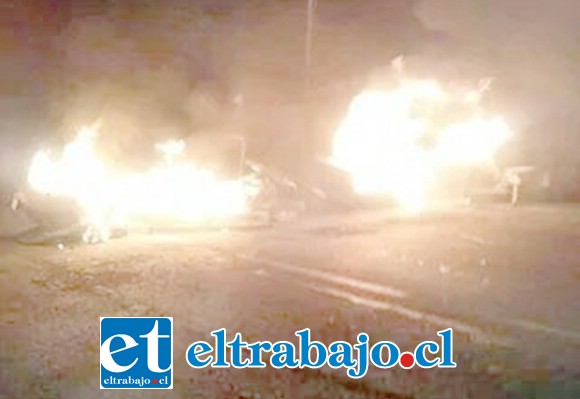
[{"x": 505, "y": 279}]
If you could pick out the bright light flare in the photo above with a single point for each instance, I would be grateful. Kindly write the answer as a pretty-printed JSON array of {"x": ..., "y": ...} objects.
[
  {"x": 175, "y": 190},
  {"x": 180, "y": 192},
  {"x": 473, "y": 141},
  {"x": 75, "y": 173},
  {"x": 171, "y": 149},
  {"x": 382, "y": 141}
]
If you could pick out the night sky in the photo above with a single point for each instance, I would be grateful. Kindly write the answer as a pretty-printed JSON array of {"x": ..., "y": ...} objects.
[{"x": 152, "y": 69}]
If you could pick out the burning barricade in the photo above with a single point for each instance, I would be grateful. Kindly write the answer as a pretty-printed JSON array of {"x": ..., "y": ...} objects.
[
  {"x": 400, "y": 143},
  {"x": 174, "y": 189}
]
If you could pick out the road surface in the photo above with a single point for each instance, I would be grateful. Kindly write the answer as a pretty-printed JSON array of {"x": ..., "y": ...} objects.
[{"x": 506, "y": 280}]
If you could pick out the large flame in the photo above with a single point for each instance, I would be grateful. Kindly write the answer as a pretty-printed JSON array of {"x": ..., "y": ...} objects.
[
  {"x": 391, "y": 142},
  {"x": 174, "y": 189}
]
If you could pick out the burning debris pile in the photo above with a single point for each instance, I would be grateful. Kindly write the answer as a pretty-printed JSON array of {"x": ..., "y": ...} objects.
[
  {"x": 399, "y": 142},
  {"x": 174, "y": 189}
]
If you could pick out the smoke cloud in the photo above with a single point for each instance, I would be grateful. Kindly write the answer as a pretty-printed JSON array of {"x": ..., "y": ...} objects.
[{"x": 529, "y": 47}]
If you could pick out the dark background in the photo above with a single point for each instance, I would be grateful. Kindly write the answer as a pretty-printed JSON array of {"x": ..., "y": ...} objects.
[{"x": 173, "y": 68}]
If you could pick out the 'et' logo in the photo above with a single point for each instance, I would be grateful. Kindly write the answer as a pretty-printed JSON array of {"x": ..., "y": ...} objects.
[{"x": 136, "y": 353}]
